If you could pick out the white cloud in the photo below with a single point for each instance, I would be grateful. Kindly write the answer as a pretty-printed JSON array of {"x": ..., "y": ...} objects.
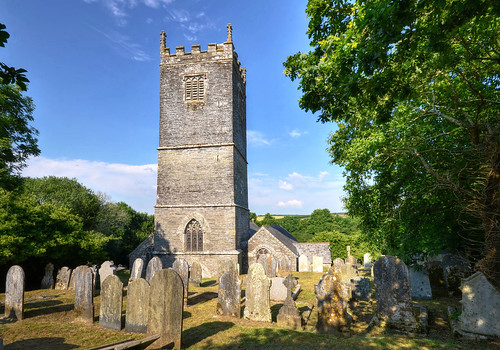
[
  {"x": 256, "y": 138},
  {"x": 297, "y": 133},
  {"x": 290, "y": 204},
  {"x": 125, "y": 45},
  {"x": 285, "y": 185},
  {"x": 132, "y": 184}
]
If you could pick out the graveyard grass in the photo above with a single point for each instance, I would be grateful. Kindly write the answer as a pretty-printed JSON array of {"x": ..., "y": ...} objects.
[{"x": 49, "y": 324}]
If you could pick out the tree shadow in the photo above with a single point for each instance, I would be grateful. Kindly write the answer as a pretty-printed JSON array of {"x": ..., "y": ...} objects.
[
  {"x": 196, "y": 334},
  {"x": 46, "y": 307},
  {"x": 274, "y": 311},
  {"x": 40, "y": 343},
  {"x": 201, "y": 298}
]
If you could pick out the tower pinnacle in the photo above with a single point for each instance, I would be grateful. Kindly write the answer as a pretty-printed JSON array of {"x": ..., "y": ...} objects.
[
  {"x": 163, "y": 41},
  {"x": 229, "y": 33}
]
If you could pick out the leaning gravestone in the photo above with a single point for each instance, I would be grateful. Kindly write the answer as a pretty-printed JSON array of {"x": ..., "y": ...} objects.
[
  {"x": 420, "y": 284},
  {"x": 229, "y": 295},
  {"x": 166, "y": 306},
  {"x": 303, "y": 263},
  {"x": 48, "y": 278},
  {"x": 317, "y": 264},
  {"x": 332, "y": 306},
  {"x": 107, "y": 268},
  {"x": 136, "y": 271},
  {"x": 337, "y": 264},
  {"x": 181, "y": 266},
  {"x": 84, "y": 295},
  {"x": 14, "y": 293},
  {"x": 195, "y": 274},
  {"x": 270, "y": 265},
  {"x": 360, "y": 288},
  {"x": 367, "y": 260},
  {"x": 284, "y": 266},
  {"x": 154, "y": 265},
  {"x": 110, "y": 315},
  {"x": 289, "y": 315},
  {"x": 257, "y": 285},
  {"x": 392, "y": 288},
  {"x": 62, "y": 278},
  {"x": 278, "y": 290},
  {"x": 136, "y": 320}
]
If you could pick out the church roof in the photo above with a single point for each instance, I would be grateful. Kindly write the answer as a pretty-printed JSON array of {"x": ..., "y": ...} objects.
[
  {"x": 283, "y": 236},
  {"x": 252, "y": 229}
]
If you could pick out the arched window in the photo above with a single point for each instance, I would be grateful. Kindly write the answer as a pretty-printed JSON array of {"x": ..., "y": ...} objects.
[{"x": 193, "y": 237}]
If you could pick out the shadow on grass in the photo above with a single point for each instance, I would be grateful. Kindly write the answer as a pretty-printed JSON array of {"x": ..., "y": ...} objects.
[
  {"x": 194, "y": 335},
  {"x": 40, "y": 343},
  {"x": 274, "y": 311},
  {"x": 208, "y": 283},
  {"x": 46, "y": 307},
  {"x": 201, "y": 298}
]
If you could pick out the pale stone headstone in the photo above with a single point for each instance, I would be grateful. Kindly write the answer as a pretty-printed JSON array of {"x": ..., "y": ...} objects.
[
  {"x": 84, "y": 295},
  {"x": 14, "y": 293},
  {"x": 284, "y": 266},
  {"x": 136, "y": 271},
  {"x": 62, "y": 278},
  {"x": 229, "y": 295},
  {"x": 181, "y": 266},
  {"x": 351, "y": 260},
  {"x": 270, "y": 265},
  {"x": 154, "y": 265},
  {"x": 195, "y": 274},
  {"x": 110, "y": 315},
  {"x": 337, "y": 264},
  {"x": 166, "y": 306},
  {"x": 48, "y": 278},
  {"x": 278, "y": 290},
  {"x": 332, "y": 306},
  {"x": 303, "y": 263},
  {"x": 288, "y": 314},
  {"x": 347, "y": 272},
  {"x": 257, "y": 286},
  {"x": 348, "y": 251},
  {"x": 107, "y": 268},
  {"x": 72, "y": 279},
  {"x": 392, "y": 289},
  {"x": 317, "y": 264},
  {"x": 367, "y": 260},
  {"x": 480, "y": 306},
  {"x": 226, "y": 265},
  {"x": 136, "y": 320},
  {"x": 360, "y": 288},
  {"x": 420, "y": 284}
]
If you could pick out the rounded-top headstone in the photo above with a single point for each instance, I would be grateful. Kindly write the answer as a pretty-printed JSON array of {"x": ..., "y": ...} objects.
[
  {"x": 62, "y": 278},
  {"x": 136, "y": 320},
  {"x": 14, "y": 293},
  {"x": 48, "y": 278},
  {"x": 154, "y": 265},
  {"x": 110, "y": 315},
  {"x": 136, "y": 271},
  {"x": 195, "y": 274}
]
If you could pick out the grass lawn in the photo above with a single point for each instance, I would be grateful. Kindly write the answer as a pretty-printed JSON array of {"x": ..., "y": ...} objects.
[{"x": 49, "y": 324}]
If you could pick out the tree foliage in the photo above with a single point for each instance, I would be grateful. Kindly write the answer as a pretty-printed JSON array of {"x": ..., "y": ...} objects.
[{"x": 414, "y": 89}]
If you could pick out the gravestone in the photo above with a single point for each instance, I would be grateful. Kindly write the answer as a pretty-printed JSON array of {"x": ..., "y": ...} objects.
[
  {"x": 110, "y": 315},
  {"x": 166, "y": 306},
  {"x": 181, "y": 266},
  {"x": 84, "y": 296},
  {"x": 154, "y": 265},
  {"x": 367, "y": 260},
  {"x": 257, "y": 286},
  {"x": 337, "y": 264},
  {"x": 14, "y": 293},
  {"x": 360, "y": 288},
  {"x": 332, "y": 306},
  {"x": 392, "y": 288},
  {"x": 136, "y": 271},
  {"x": 303, "y": 264},
  {"x": 107, "y": 268},
  {"x": 454, "y": 274},
  {"x": 278, "y": 290},
  {"x": 195, "y": 274},
  {"x": 270, "y": 265},
  {"x": 351, "y": 260},
  {"x": 348, "y": 251},
  {"x": 288, "y": 314},
  {"x": 95, "y": 275},
  {"x": 347, "y": 272},
  {"x": 48, "y": 278},
  {"x": 284, "y": 266},
  {"x": 229, "y": 295},
  {"x": 480, "y": 306},
  {"x": 226, "y": 265},
  {"x": 317, "y": 265},
  {"x": 136, "y": 320},
  {"x": 436, "y": 275},
  {"x": 420, "y": 284},
  {"x": 72, "y": 278},
  {"x": 62, "y": 278}
]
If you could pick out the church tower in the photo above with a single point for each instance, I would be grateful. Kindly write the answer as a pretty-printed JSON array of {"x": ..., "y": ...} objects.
[{"x": 201, "y": 212}]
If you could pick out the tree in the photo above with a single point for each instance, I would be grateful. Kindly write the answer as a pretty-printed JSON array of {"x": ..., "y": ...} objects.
[
  {"x": 11, "y": 75},
  {"x": 414, "y": 88}
]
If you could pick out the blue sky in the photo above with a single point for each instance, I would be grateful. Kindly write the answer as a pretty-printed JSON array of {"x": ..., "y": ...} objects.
[{"x": 94, "y": 72}]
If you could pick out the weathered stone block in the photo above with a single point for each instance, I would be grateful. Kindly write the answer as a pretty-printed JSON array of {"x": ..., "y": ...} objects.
[
  {"x": 136, "y": 320},
  {"x": 84, "y": 294},
  {"x": 110, "y": 315},
  {"x": 229, "y": 296},
  {"x": 257, "y": 284}
]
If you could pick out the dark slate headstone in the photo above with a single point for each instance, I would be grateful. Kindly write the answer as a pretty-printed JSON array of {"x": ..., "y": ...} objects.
[
  {"x": 154, "y": 265},
  {"x": 195, "y": 274},
  {"x": 136, "y": 320},
  {"x": 166, "y": 306},
  {"x": 284, "y": 266},
  {"x": 229, "y": 296},
  {"x": 110, "y": 315},
  {"x": 332, "y": 306},
  {"x": 270, "y": 265},
  {"x": 48, "y": 278},
  {"x": 136, "y": 270},
  {"x": 392, "y": 289},
  {"x": 181, "y": 266},
  {"x": 62, "y": 278},
  {"x": 257, "y": 284},
  {"x": 360, "y": 288},
  {"x": 337, "y": 264},
  {"x": 84, "y": 294},
  {"x": 14, "y": 293},
  {"x": 288, "y": 314},
  {"x": 420, "y": 285}
]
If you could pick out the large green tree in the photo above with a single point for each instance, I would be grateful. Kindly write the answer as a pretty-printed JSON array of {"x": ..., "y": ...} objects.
[{"x": 414, "y": 89}]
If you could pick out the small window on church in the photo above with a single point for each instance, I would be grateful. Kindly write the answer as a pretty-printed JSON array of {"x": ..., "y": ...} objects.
[
  {"x": 194, "y": 88},
  {"x": 193, "y": 237}
]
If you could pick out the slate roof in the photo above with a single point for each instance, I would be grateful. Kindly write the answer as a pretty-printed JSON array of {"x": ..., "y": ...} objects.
[
  {"x": 252, "y": 229},
  {"x": 283, "y": 236}
]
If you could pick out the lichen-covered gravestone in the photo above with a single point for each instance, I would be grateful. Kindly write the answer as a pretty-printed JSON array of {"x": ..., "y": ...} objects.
[
  {"x": 136, "y": 320},
  {"x": 107, "y": 268},
  {"x": 181, "y": 266},
  {"x": 14, "y": 293},
  {"x": 289, "y": 315},
  {"x": 195, "y": 274},
  {"x": 284, "y": 266},
  {"x": 84, "y": 295},
  {"x": 257, "y": 286},
  {"x": 136, "y": 271},
  {"x": 166, "y": 306},
  {"x": 154, "y": 265},
  {"x": 278, "y": 291},
  {"x": 420, "y": 284},
  {"x": 303, "y": 264},
  {"x": 270, "y": 265},
  {"x": 337, "y": 264},
  {"x": 332, "y": 306},
  {"x": 360, "y": 288},
  {"x": 348, "y": 272},
  {"x": 392, "y": 288},
  {"x": 48, "y": 278},
  {"x": 229, "y": 296},
  {"x": 317, "y": 264},
  {"x": 72, "y": 278},
  {"x": 226, "y": 265},
  {"x": 62, "y": 278},
  {"x": 351, "y": 260},
  {"x": 110, "y": 315}
]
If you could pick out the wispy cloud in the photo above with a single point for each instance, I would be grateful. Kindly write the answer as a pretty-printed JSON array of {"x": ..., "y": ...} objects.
[
  {"x": 120, "y": 8},
  {"x": 191, "y": 23},
  {"x": 290, "y": 204},
  {"x": 297, "y": 133},
  {"x": 124, "y": 45},
  {"x": 257, "y": 138},
  {"x": 285, "y": 185}
]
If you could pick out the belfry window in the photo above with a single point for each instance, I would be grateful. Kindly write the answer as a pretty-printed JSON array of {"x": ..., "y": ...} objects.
[
  {"x": 193, "y": 237},
  {"x": 194, "y": 88}
]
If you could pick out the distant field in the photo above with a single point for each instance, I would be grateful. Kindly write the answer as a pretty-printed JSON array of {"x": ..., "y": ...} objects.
[{"x": 260, "y": 217}]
